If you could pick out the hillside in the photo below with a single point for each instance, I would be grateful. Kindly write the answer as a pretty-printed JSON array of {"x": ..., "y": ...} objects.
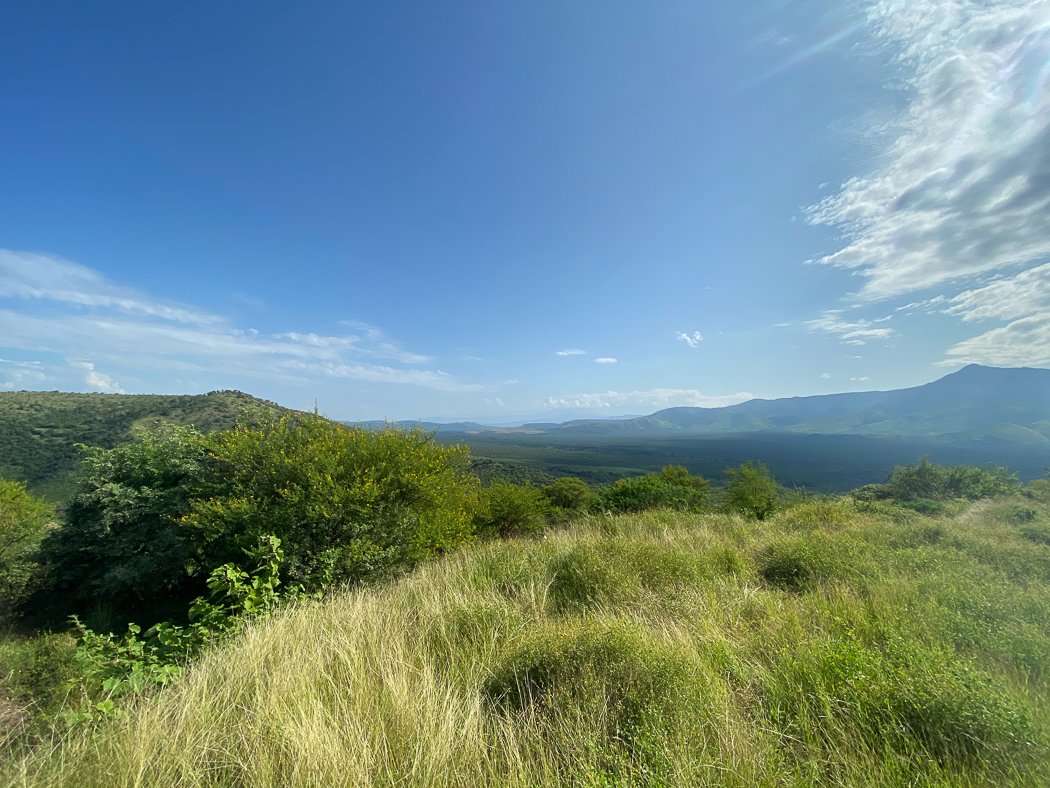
[
  {"x": 39, "y": 430},
  {"x": 831, "y": 645},
  {"x": 975, "y": 403}
]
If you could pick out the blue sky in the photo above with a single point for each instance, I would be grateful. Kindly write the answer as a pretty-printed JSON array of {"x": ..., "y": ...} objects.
[{"x": 499, "y": 210}]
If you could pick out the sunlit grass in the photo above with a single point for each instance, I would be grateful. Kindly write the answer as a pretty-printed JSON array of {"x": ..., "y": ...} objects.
[{"x": 826, "y": 646}]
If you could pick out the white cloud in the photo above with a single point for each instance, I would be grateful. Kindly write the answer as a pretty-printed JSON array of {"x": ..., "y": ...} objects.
[
  {"x": 95, "y": 380},
  {"x": 964, "y": 186},
  {"x": 693, "y": 340},
  {"x": 572, "y": 351},
  {"x": 606, "y": 360},
  {"x": 826, "y": 376},
  {"x": 851, "y": 332},
  {"x": 74, "y": 311},
  {"x": 1024, "y": 342},
  {"x": 1009, "y": 298},
  {"x": 654, "y": 398},
  {"x": 30, "y": 276}
]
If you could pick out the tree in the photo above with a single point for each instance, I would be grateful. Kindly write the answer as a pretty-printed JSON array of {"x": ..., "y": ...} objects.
[
  {"x": 751, "y": 490},
  {"x": 121, "y": 546},
  {"x": 24, "y": 521}
]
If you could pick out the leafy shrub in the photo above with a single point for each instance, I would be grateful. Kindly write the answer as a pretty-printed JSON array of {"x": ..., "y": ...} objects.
[
  {"x": 24, "y": 520},
  {"x": 154, "y": 517},
  {"x": 926, "y": 481},
  {"x": 751, "y": 490},
  {"x": 511, "y": 510},
  {"x": 121, "y": 545},
  {"x": 111, "y": 667},
  {"x": 570, "y": 495},
  {"x": 673, "y": 488},
  {"x": 347, "y": 504}
]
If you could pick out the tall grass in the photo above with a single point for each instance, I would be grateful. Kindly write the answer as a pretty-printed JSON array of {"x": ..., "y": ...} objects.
[{"x": 826, "y": 646}]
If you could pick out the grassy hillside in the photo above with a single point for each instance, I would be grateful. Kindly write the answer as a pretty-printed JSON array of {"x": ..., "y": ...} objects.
[
  {"x": 39, "y": 429},
  {"x": 829, "y": 645}
]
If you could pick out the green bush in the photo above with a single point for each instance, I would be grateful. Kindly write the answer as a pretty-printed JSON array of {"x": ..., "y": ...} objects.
[
  {"x": 673, "y": 488},
  {"x": 24, "y": 521},
  {"x": 926, "y": 481},
  {"x": 751, "y": 490},
  {"x": 570, "y": 495},
  {"x": 121, "y": 546},
  {"x": 347, "y": 504},
  {"x": 511, "y": 510},
  {"x": 154, "y": 517}
]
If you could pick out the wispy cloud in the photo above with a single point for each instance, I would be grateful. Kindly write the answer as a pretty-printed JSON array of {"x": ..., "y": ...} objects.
[
  {"x": 1023, "y": 302},
  {"x": 964, "y": 186},
  {"x": 693, "y": 340},
  {"x": 571, "y": 351},
  {"x": 651, "y": 398},
  {"x": 606, "y": 360},
  {"x": 73, "y": 311},
  {"x": 851, "y": 332}
]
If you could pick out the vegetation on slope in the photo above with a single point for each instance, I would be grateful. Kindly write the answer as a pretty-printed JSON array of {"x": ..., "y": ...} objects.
[
  {"x": 40, "y": 430},
  {"x": 826, "y": 644}
]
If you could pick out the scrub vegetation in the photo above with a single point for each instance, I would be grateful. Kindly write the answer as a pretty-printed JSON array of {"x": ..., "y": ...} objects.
[{"x": 351, "y": 607}]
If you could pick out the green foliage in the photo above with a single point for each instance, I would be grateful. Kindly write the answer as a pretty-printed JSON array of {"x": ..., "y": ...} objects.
[
  {"x": 153, "y": 517},
  {"x": 35, "y": 675},
  {"x": 570, "y": 495},
  {"x": 925, "y": 481},
  {"x": 511, "y": 510},
  {"x": 348, "y": 504},
  {"x": 39, "y": 430},
  {"x": 121, "y": 546},
  {"x": 111, "y": 667},
  {"x": 24, "y": 521},
  {"x": 751, "y": 490},
  {"x": 672, "y": 488}
]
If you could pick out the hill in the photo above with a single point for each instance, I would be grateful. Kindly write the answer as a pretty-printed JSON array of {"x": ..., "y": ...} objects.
[
  {"x": 975, "y": 403},
  {"x": 832, "y": 645},
  {"x": 39, "y": 430}
]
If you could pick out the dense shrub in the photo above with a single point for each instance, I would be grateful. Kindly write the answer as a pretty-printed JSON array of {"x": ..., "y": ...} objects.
[
  {"x": 751, "y": 490},
  {"x": 121, "y": 545},
  {"x": 24, "y": 520},
  {"x": 673, "y": 488},
  {"x": 154, "y": 517},
  {"x": 570, "y": 495},
  {"x": 926, "y": 481},
  {"x": 347, "y": 504},
  {"x": 511, "y": 510}
]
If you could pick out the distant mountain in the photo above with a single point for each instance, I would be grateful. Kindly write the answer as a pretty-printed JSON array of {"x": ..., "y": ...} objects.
[
  {"x": 975, "y": 403},
  {"x": 39, "y": 430}
]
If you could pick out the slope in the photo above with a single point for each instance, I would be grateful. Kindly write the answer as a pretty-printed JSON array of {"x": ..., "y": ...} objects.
[
  {"x": 39, "y": 430},
  {"x": 828, "y": 646}
]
